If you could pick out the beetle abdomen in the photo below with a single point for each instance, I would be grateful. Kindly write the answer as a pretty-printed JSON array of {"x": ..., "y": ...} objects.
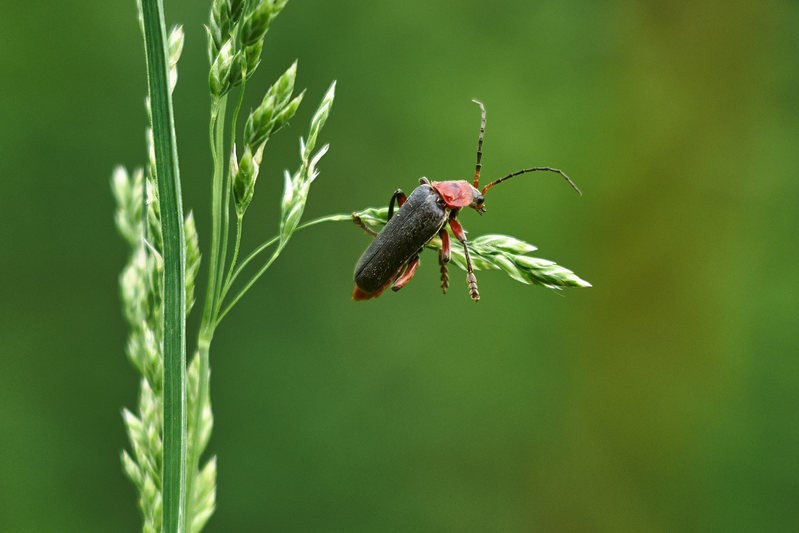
[{"x": 411, "y": 227}]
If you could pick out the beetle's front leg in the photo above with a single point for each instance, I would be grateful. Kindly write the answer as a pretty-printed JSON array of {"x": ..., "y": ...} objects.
[
  {"x": 400, "y": 198},
  {"x": 443, "y": 258},
  {"x": 471, "y": 279},
  {"x": 406, "y": 273}
]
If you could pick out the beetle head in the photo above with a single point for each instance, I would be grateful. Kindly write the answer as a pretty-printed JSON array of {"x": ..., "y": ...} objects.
[{"x": 478, "y": 199}]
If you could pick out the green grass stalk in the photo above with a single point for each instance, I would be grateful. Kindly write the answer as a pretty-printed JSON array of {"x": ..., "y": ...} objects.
[{"x": 169, "y": 190}]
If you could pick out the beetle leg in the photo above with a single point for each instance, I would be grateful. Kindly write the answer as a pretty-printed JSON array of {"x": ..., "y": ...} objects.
[
  {"x": 358, "y": 222},
  {"x": 471, "y": 279},
  {"x": 400, "y": 198},
  {"x": 443, "y": 259},
  {"x": 407, "y": 273}
]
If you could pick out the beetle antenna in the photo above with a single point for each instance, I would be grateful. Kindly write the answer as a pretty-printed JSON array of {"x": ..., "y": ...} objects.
[
  {"x": 534, "y": 169},
  {"x": 478, "y": 166}
]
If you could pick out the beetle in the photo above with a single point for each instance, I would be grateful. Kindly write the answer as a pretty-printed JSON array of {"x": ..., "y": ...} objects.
[{"x": 393, "y": 256}]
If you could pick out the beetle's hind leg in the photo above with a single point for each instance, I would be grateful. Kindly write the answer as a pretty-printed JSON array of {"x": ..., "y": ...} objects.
[
  {"x": 406, "y": 273},
  {"x": 399, "y": 197},
  {"x": 358, "y": 222},
  {"x": 443, "y": 258},
  {"x": 471, "y": 279}
]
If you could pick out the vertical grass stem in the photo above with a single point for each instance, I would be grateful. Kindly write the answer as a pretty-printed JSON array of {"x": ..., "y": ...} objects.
[{"x": 169, "y": 190}]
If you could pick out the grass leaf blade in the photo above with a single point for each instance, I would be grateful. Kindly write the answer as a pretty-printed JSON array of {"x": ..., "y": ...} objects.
[{"x": 174, "y": 458}]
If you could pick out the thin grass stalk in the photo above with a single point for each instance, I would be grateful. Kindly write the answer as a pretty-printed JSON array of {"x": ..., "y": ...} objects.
[
  {"x": 216, "y": 134},
  {"x": 169, "y": 190},
  {"x": 217, "y": 130}
]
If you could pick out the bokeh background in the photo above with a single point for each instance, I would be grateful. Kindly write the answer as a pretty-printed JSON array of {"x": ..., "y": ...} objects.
[{"x": 662, "y": 399}]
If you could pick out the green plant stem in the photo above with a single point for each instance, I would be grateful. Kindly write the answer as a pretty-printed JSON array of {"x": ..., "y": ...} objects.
[
  {"x": 263, "y": 246},
  {"x": 220, "y": 271},
  {"x": 252, "y": 281},
  {"x": 229, "y": 277},
  {"x": 228, "y": 185},
  {"x": 220, "y": 197},
  {"x": 203, "y": 347},
  {"x": 237, "y": 109},
  {"x": 260, "y": 249},
  {"x": 217, "y": 133},
  {"x": 168, "y": 176}
]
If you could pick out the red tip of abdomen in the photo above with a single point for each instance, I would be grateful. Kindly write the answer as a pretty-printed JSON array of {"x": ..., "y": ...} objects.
[{"x": 359, "y": 294}]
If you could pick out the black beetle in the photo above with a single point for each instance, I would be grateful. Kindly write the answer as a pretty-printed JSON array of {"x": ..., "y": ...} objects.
[{"x": 393, "y": 257}]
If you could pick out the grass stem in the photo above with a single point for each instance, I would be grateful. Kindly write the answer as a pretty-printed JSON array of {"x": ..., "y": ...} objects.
[
  {"x": 169, "y": 191},
  {"x": 260, "y": 249}
]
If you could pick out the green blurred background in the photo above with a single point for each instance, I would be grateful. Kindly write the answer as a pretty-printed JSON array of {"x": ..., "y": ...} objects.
[{"x": 663, "y": 399}]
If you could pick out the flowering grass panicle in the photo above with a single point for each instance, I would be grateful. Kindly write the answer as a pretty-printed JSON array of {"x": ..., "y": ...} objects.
[{"x": 185, "y": 497}]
